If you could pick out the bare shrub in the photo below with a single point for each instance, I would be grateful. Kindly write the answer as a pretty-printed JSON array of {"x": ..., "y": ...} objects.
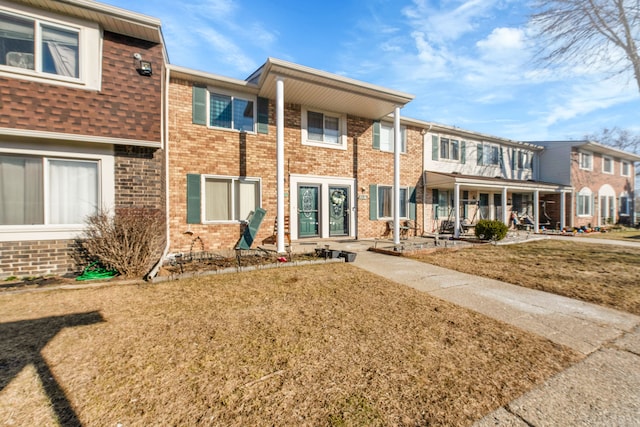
[{"x": 129, "y": 241}]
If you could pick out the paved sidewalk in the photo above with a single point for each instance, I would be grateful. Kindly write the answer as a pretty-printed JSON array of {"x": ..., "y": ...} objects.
[{"x": 603, "y": 389}]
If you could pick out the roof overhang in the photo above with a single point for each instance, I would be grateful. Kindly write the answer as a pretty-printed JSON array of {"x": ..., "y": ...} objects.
[
  {"x": 325, "y": 91},
  {"x": 111, "y": 18},
  {"x": 216, "y": 80},
  {"x": 595, "y": 147},
  {"x": 448, "y": 180}
]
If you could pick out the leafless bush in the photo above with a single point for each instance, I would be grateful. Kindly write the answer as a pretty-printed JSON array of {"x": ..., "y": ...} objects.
[{"x": 128, "y": 242}]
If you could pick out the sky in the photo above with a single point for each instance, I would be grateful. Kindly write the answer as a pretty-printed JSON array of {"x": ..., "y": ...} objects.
[{"x": 467, "y": 62}]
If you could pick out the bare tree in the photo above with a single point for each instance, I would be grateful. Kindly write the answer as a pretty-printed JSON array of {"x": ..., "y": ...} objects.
[
  {"x": 589, "y": 32},
  {"x": 615, "y": 137}
]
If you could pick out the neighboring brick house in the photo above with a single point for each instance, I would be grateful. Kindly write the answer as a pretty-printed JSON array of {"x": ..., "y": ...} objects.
[
  {"x": 311, "y": 145},
  {"x": 601, "y": 177},
  {"x": 81, "y": 129}
]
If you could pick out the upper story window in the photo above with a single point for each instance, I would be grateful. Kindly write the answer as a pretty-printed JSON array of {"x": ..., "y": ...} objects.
[
  {"x": 324, "y": 129},
  {"x": 607, "y": 164},
  {"x": 449, "y": 149},
  {"x": 43, "y": 47},
  {"x": 387, "y": 138},
  {"x": 488, "y": 155},
  {"x": 625, "y": 168},
  {"x": 524, "y": 160},
  {"x": 231, "y": 112},
  {"x": 585, "y": 160}
]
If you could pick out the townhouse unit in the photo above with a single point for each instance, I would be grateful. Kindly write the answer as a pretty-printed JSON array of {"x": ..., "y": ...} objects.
[
  {"x": 81, "y": 91},
  {"x": 602, "y": 181}
]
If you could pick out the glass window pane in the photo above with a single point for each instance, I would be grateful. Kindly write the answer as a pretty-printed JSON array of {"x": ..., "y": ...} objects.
[
  {"x": 455, "y": 150},
  {"x": 243, "y": 115},
  {"x": 21, "y": 192},
  {"x": 217, "y": 200},
  {"x": 386, "y": 135},
  {"x": 16, "y": 42},
  {"x": 59, "y": 52},
  {"x": 444, "y": 148},
  {"x": 247, "y": 198},
  {"x": 221, "y": 113},
  {"x": 404, "y": 202},
  {"x": 73, "y": 191},
  {"x": 315, "y": 126},
  {"x": 385, "y": 202},
  {"x": 332, "y": 129}
]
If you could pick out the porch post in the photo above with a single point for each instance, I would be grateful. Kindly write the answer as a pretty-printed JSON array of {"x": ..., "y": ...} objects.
[
  {"x": 536, "y": 211},
  {"x": 280, "y": 164},
  {"x": 396, "y": 175},
  {"x": 505, "y": 216},
  {"x": 572, "y": 210},
  {"x": 456, "y": 209},
  {"x": 562, "y": 209}
]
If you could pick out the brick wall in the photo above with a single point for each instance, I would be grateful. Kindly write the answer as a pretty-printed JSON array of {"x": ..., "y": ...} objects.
[
  {"x": 139, "y": 177},
  {"x": 127, "y": 106},
  {"x": 29, "y": 258}
]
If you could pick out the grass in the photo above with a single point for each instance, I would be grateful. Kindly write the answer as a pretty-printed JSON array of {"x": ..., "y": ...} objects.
[
  {"x": 630, "y": 234},
  {"x": 601, "y": 274},
  {"x": 316, "y": 345}
]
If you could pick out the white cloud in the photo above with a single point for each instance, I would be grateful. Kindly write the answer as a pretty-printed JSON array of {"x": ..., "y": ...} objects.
[
  {"x": 502, "y": 43},
  {"x": 229, "y": 52}
]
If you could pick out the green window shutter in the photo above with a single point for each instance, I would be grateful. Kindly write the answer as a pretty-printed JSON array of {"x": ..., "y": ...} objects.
[
  {"x": 501, "y": 158},
  {"x": 263, "y": 115},
  {"x": 199, "y": 110},
  {"x": 376, "y": 135},
  {"x": 435, "y": 146},
  {"x": 412, "y": 203},
  {"x": 373, "y": 202},
  {"x": 513, "y": 159},
  {"x": 463, "y": 152},
  {"x": 435, "y": 197},
  {"x": 193, "y": 199},
  {"x": 479, "y": 154}
]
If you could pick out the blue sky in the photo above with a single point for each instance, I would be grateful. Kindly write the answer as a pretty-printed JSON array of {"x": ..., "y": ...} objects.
[{"x": 468, "y": 62}]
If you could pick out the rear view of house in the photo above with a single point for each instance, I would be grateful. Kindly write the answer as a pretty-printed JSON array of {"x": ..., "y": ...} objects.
[{"x": 81, "y": 88}]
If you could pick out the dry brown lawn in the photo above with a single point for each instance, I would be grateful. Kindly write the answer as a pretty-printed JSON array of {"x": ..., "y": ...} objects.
[
  {"x": 630, "y": 234},
  {"x": 315, "y": 345},
  {"x": 602, "y": 274}
]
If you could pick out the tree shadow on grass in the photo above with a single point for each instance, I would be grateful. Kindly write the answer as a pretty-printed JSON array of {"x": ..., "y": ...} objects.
[{"x": 21, "y": 344}]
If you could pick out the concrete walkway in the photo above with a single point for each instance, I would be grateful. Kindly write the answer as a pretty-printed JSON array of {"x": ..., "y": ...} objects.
[{"x": 603, "y": 389}]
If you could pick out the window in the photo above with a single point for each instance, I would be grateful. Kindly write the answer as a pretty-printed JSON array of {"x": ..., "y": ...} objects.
[
  {"x": 586, "y": 160},
  {"x": 449, "y": 149},
  {"x": 231, "y": 112},
  {"x": 488, "y": 155},
  {"x": 43, "y": 47},
  {"x": 230, "y": 199},
  {"x": 323, "y": 129},
  {"x": 607, "y": 164},
  {"x": 42, "y": 190},
  {"x": 385, "y": 202},
  {"x": 387, "y": 138},
  {"x": 625, "y": 168},
  {"x": 584, "y": 202},
  {"x": 525, "y": 160},
  {"x": 625, "y": 204}
]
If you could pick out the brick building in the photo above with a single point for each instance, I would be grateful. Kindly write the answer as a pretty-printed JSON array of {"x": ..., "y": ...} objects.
[{"x": 81, "y": 98}]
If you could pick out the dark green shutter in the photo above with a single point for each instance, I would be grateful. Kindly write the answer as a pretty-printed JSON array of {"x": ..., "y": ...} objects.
[
  {"x": 513, "y": 159},
  {"x": 373, "y": 202},
  {"x": 199, "y": 110},
  {"x": 463, "y": 152},
  {"x": 501, "y": 158},
  {"x": 412, "y": 203},
  {"x": 479, "y": 154},
  {"x": 435, "y": 198},
  {"x": 193, "y": 199},
  {"x": 434, "y": 147},
  {"x": 376, "y": 135},
  {"x": 263, "y": 115}
]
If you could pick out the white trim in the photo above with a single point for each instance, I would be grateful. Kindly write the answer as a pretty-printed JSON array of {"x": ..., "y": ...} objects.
[
  {"x": 629, "y": 167},
  {"x": 213, "y": 90},
  {"x": 585, "y": 153},
  {"x": 342, "y": 120},
  {"x": 403, "y": 136},
  {"x": 57, "y": 136},
  {"x": 610, "y": 159},
  {"x": 232, "y": 180}
]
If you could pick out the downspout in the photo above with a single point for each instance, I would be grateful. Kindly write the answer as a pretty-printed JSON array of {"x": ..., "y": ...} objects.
[{"x": 164, "y": 123}]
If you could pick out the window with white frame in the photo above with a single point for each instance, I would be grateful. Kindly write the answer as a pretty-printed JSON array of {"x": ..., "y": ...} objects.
[
  {"x": 229, "y": 199},
  {"x": 524, "y": 159},
  {"x": 385, "y": 202},
  {"x": 585, "y": 160},
  {"x": 625, "y": 168},
  {"x": 488, "y": 155},
  {"x": 231, "y": 111},
  {"x": 387, "y": 138},
  {"x": 625, "y": 204},
  {"x": 39, "y": 190},
  {"x": 449, "y": 149},
  {"x": 607, "y": 164},
  {"x": 325, "y": 129},
  {"x": 584, "y": 202}
]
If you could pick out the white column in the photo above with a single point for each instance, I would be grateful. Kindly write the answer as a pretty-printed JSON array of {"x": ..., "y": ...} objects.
[
  {"x": 536, "y": 211},
  {"x": 456, "y": 210},
  {"x": 563, "y": 209},
  {"x": 396, "y": 175},
  {"x": 280, "y": 163},
  {"x": 505, "y": 216},
  {"x": 572, "y": 210}
]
